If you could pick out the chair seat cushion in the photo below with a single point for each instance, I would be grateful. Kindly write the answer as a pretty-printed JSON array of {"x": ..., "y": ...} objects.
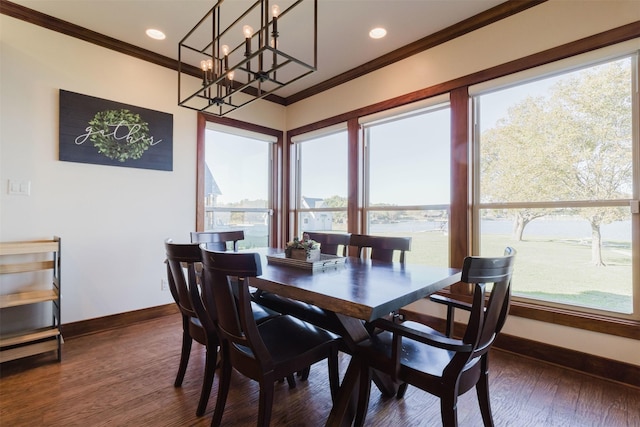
[
  {"x": 415, "y": 355},
  {"x": 261, "y": 313},
  {"x": 302, "y": 310},
  {"x": 277, "y": 334}
]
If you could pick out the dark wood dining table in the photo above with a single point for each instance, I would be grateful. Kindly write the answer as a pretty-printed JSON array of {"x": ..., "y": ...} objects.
[{"x": 354, "y": 291}]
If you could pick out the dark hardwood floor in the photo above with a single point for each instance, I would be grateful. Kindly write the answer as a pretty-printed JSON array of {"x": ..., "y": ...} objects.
[{"x": 124, "y": 377}]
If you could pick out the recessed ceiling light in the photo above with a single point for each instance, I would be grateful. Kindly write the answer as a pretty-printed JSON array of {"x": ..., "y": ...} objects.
[
  {"x": 377, "y": 33},
  {"x": 156, "y": 34}
]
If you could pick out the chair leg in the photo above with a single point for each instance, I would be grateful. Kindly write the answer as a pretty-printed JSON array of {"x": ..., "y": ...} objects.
[
  {"x": 207, "y": 382},
  {"x": 364, "y": 394},
  {"x": 402, "y": 389},
  {"x": 223, "y": 390},
  {"x": 291, "y": 381},
  {"x": 482, "y": 390},
  {"x": 184, "y": 356},
  {"x": 449, "y": 410},
  {"x": 304, "y": 374},
  {"x": 266, "y": 402},
  {"x": 334, "y": 374}
]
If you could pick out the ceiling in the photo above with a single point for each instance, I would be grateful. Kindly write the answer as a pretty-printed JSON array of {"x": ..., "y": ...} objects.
[{"x": 343, "y": 25}]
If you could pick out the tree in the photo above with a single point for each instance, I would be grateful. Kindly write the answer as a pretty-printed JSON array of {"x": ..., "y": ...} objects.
[
  {"x": 337, "y": 202},
  {"x": 574, "y": 145}
]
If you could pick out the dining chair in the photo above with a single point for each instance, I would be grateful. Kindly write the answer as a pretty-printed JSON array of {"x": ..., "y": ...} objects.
[
  {"x": 183, "y": 270},
  {"x": 265, "y": 352},
  {"x": 438, "y": 364},
  {"x": 331, "y": 243},
  {"x": 217, "y": 240},
  {"x": 182, "y": 260},
  {"x": 382, "y": 247}
]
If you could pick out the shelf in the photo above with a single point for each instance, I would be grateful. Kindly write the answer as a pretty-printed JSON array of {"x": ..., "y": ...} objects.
[
  {"x": 29, "y": 297},
  {"x": 24, "y": 267},
  {"x": 33, "y": 335},
  {"x": 31, "y": 257},
  {"x": 33, "y": 247},
  {"x": 28, "y": 350}
]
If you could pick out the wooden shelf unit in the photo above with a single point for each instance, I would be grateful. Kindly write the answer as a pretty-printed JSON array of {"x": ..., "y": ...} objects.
[{"x": 30, "y": 341}]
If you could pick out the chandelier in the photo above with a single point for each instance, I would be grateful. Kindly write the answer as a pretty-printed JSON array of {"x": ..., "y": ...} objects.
[{"x": 239, "y": 55}]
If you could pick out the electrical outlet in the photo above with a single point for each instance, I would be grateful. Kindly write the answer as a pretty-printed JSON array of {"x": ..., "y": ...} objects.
[{"x": 164, "y": 285}]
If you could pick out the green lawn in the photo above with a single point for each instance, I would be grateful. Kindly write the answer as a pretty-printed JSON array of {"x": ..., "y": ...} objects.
[{"x": 551, "y": 270}]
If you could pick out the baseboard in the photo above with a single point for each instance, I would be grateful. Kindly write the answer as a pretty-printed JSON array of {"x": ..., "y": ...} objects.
[
  {"x": 100, "y": 324},
  {"x": 601, "y": 367}
]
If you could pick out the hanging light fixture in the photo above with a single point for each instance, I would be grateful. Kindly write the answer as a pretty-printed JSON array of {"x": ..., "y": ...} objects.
[{"x": 239, "y": 55}]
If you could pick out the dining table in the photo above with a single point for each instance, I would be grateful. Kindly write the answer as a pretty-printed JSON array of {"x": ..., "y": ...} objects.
[{"x": 355, "y": 291}]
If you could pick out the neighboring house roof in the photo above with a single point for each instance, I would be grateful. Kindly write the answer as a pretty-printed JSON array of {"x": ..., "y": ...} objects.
[
  {"x": 312, "y": 202},
  {"x": 210, "y": 184}
]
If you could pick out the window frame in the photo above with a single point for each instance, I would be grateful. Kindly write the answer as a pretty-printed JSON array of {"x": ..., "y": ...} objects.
[
  {"x": 274, "y": 196},
  {"x": 296, "y": 181},
  {"x": 575, "y": 64},
  {"x": 461, "y": 226}
]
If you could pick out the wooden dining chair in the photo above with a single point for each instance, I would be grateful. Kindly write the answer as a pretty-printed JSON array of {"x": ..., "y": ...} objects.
[
  {"x": 382, "y": 248},
  {"x": 182, "y": 261},
  {"x": 218, "y": 240},
  {"x": 183, "y": 270},
  {"x": 264, "y": 352},
  {"x": 331, "y": 243},
  {"x": 440, "y": 365}
]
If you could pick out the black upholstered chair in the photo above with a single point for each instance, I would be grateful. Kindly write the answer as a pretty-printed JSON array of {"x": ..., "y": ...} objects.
[
  {"x": 182, "y": 263},
  {"x": 331, "y": 243},
  {"x": 436, "y": 363},
  {"x": 264, "y": 352}
]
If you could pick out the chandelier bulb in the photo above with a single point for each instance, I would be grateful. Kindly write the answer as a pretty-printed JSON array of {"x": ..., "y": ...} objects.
[
  {"x": 230, "y": 75},
  {"x": 203, "y": 65},
  {"x": 275, "y": 10},
  {"x": 248, "y": 31},
  {"x": 225, "y": 50}
]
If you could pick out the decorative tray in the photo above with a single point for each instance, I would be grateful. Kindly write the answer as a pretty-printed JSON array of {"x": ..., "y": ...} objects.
[{"x": 326, "y": 262}]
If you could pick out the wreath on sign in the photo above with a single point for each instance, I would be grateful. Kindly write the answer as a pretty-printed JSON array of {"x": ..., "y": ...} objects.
[{"x": 120, "y": 134}]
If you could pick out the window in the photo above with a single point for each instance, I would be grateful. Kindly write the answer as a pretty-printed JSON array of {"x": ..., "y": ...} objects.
[
  {"x": 407, "y": 181},
  {"x": 237, "y": 183},
  {"x": 556, "y": 181},
  {"x": 321, "y": 181}
]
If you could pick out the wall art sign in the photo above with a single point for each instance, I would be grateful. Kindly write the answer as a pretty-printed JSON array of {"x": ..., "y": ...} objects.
[{"x": 95, "y": 130}]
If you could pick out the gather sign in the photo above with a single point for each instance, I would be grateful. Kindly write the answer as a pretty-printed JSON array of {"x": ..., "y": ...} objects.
[{"x": 99, "y": 131}]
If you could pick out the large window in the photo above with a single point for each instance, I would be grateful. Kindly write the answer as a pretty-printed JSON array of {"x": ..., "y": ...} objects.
[
  {"x": 556, "y": 181},
  {"x": 237, "y": 184},
  {"x": 407, "y": 181},
  {"x": 321, "y": 184}
]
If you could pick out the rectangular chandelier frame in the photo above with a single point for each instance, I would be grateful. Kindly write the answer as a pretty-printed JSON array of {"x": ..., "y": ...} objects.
[{"x": 232, "y": 72}]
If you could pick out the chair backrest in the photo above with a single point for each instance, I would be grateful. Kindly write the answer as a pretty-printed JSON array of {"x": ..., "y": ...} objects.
[
  {"x": 486, "y": 320},
  {"x": 217, "y": 240},
  {"x": 330, "y": 242},
  {"x": 382, "y": 247},
  {"x": 224, "y": 271},
  {"x": 181, "y": 259}
]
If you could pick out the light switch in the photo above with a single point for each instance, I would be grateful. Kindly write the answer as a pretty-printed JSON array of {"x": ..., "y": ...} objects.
[{"x": 20, "y": 187}]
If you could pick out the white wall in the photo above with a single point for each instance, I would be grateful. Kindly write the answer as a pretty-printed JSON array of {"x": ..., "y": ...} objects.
[
  {"x": 112, "y": 220},
  {"x": 542, "y": 27},
  {"x": 545, "y": 26}
]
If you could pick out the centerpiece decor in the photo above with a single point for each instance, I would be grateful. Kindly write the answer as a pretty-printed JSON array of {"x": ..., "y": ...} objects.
[{"x": 303, "y": 249}]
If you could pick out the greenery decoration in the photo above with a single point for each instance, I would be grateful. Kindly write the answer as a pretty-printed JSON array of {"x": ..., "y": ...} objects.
[
  {"x": 120, "y": 134},
  {"x": 306, "y": 243}
]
